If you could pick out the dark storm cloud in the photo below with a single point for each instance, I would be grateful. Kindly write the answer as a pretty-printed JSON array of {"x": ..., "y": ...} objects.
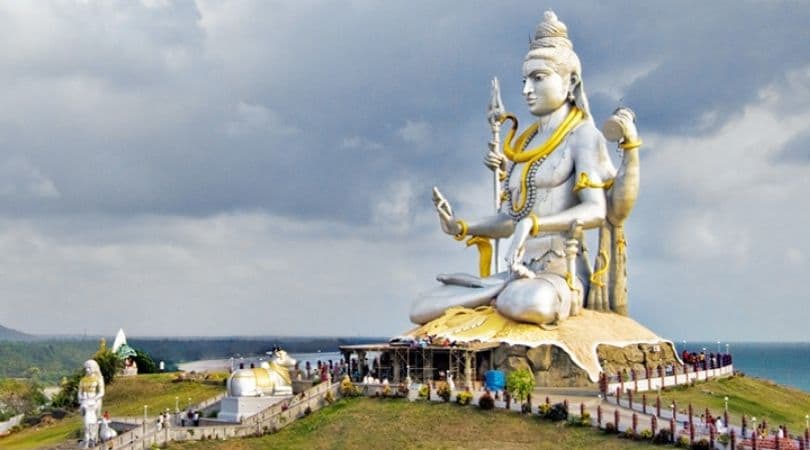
[
  {"x": 150, "y": 117},
  {"x": 150, "y": 145}
]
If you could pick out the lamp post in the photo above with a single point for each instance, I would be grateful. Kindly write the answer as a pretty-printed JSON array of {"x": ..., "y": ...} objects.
[
  {"x": 727, "y": 349},
  {"x": 807, "y": 421},
  {"x": 718, "y": 346},
  {"x": 726, "y": 400},
  {"x": 754, "y": 424},
  {"x": 145, "y": 409},
  {"x": 189, "y": 403},
  {"x": 176, "y": 404}
]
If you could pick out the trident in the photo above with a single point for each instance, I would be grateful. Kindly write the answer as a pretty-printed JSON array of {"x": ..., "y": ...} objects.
[{"x": 494, "y": 114}]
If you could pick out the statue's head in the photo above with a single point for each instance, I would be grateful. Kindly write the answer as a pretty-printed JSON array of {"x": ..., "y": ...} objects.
[
  {"x": 281, "y": 357},
  {"x": 552, "y": 69},
  {"x": 91, "y": 367}
]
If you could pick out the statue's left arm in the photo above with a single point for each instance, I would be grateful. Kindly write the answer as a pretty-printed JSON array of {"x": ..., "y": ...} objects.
[{"x": 621, "y": 126}]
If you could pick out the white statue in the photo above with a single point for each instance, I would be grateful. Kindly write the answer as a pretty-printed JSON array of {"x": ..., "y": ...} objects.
[
  {"x": 450, "y": 383},
  {"x": 271, "y": 378},
  {"x": 558, "y": 180},
  {"x": 91, "y": 391},
  {"x": 106, "y": 432}
]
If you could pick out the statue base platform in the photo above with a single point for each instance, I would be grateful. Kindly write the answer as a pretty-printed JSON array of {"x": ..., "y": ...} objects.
[
  {"x": 572, "y": 354},
  {"x": 236, "y": 409}
]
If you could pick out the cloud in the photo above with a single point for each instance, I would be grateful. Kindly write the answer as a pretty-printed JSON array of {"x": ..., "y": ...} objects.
[
  {"x": 257, "y": 119},
  {"x": 393, "y": 210},
  {"x": 360, "y": 143},
  {"x": 415, "y": 132},
  {"x": 198, "y": 152},
  {"x": 20, "y": 179}
]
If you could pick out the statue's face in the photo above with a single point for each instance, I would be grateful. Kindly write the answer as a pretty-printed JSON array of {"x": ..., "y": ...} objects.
[
  {"x": 544, "y": 89},
  {"x": 88, "y": 369}
]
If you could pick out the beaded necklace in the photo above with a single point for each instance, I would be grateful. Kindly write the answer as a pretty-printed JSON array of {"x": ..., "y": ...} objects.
[{"x": 534, "y": 159}]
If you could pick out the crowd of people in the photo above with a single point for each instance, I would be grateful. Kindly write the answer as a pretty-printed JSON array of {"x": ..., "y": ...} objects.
[{"x": 702, "y": 361}]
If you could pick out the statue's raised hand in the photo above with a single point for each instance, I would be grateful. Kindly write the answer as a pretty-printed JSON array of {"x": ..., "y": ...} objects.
[
  {"x": 494, "y": 159},
  {"x": 445, "y": 211},
  {"x": 621, "y": 126}
]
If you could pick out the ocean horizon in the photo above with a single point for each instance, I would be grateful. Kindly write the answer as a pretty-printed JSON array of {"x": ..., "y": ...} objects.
[{"x": 786, "y": 363}]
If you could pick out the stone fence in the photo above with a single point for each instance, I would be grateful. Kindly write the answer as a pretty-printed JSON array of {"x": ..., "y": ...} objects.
[
  {"x": 270, "y": 420},
  {"x": 654, "y": 383}
]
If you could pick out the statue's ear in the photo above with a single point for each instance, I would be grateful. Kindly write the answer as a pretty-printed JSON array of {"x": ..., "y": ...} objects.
[{"x": 574, "y": 84}]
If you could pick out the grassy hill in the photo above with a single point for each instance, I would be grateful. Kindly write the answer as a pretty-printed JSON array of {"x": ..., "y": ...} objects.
[
  {"x": 763, "y": 399},
  {"x": 7, "y": 334},
  {"x": 124, "y": 397},
  {"x": 374, "y": 423}
]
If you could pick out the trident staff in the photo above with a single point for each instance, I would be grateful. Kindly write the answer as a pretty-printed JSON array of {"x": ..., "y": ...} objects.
[{"x": 494, "y": 115}]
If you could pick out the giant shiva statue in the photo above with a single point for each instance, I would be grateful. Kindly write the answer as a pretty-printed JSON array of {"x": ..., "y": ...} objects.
[{"x": 557, "y": 180}]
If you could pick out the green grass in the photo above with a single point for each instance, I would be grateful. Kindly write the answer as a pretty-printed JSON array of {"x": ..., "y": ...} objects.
[
  {"x": 762, "y": 399},
  {"x": 375, "y": 423},
  {"x": 124, "y": 397}
]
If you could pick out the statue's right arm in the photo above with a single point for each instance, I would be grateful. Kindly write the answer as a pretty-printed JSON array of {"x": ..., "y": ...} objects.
[{"x": 497, "y": 226}]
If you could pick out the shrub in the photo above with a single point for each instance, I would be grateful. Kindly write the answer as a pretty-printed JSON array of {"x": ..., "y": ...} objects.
[
  {"x": 423, "y": 391},
  {"x": 486, "y": 402},
  {"x": 329, "y": 398},
  {"x": 559, "y": 412},
  {"x": 645, "y": 435},
  {"x": 308, "y": 411},
  {"x": 526, "y": 408},
  {"x": 702, "y": 444},
  {"x": 67, "y": 396},
  {"x": 403, "y": 390},
  {"x": 682, "y": 442},
  {"x": 610, "y": 428},
  {"x": 443, "y": 391},
  {"x": 387, "y": 391},
  {"x": 347, "y": 388},
  {"x": 215, "y": 379},
  {"x": 464, "y": 398},
  {"x": 663, "y": 437},
  {"x": 723, "y": 439},
  {"x": 520, "y": 383},
  {"x": 543, "y": 410},
  {"x": 145, "y": 362},
  {"x": 580, "y": 421},
  {"x": 629, "y": 434},
  {"x": 107, "y": 361}
]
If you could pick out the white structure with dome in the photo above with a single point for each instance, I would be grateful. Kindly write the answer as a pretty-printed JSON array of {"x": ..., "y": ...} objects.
[{"x": 252, "y": 390}]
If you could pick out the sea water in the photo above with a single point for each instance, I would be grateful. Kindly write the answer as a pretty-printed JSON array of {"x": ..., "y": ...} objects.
[{"x": 785, "y": 363}]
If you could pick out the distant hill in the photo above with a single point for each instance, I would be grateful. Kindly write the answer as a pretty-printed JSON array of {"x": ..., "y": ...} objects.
[{"x": 7, "y": 334}]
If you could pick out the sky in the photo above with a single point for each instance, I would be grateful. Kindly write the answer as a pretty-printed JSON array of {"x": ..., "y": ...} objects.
[{"x": 265, "y": 167}]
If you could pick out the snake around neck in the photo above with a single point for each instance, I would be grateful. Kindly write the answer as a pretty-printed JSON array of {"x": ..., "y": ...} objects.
[{"x": 533, "y": 158}]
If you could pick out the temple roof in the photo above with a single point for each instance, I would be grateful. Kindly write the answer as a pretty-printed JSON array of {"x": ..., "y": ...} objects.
[
  {"x": 120, "y": 339},
  {"x": 125, "y": 351}
]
